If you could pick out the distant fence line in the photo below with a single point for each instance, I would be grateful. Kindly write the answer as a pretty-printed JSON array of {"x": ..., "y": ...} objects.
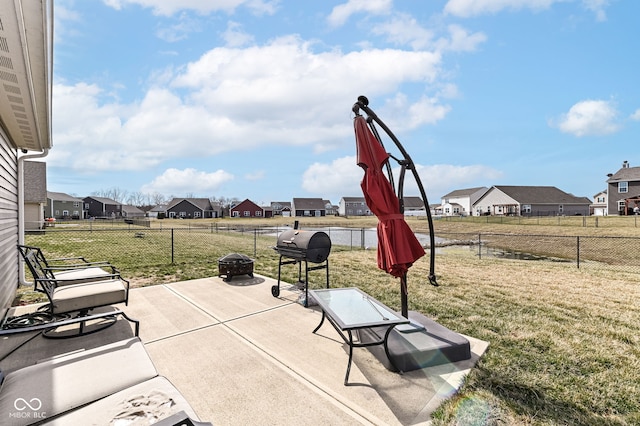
[
  {"x": 631, "y": 221},
  {"x": 141, "y": 246}
]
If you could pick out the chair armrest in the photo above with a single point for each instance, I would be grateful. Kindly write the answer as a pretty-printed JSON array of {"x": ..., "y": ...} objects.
[{"x": 105, "y": 264}]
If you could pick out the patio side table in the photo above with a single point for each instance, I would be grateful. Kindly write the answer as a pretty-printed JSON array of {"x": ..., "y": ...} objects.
[{"x": 349, "y": 310}]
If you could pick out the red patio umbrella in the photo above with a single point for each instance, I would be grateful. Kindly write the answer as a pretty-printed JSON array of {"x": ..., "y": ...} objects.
[{"x": 398, "y": 247}]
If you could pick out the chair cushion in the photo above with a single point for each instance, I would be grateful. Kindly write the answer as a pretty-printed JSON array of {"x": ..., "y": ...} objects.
[
  {"x": 80, "y": 274},
  {"x": 63, "y": 383},
  {"x": 142, "y": 404},
  {"x": 76, "y": 297}
]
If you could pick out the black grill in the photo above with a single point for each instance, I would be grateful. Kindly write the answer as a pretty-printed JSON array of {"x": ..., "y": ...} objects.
[
  {"x": 296, "y": 246},
  {"x": 312, "y": 246}
]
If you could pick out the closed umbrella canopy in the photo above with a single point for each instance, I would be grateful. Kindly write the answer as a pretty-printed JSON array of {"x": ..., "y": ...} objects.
[{"x": 398, "y": 247}]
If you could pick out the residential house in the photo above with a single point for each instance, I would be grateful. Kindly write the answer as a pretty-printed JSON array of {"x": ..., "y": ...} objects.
[
  {"x": 281, "y": 208},
  {"x": 191, "y": 208},
  {"x": 63, "y": 206},
  {"x": 158, "y": 212},
  {"x": 132, "y": 212},
  {"x": 308, "y": 207},
  {"x": 246, "y": 208},
  {"x": 623, "y": 190},
  {"x": 353, "y": 206},
  {"x": 599, "y": 206},
  {"x": 25, "y": 123},
  {"x": 460, "y": 201},
  {"x": 414, "y": 206},
  {"x": 35, "y": 194},
  {"x": 102, "y": 208},
  {"x": 503, "y": 200},
  {"x": 329, "y": 208}
]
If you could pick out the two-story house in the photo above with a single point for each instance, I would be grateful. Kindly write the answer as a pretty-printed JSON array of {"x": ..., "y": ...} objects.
[
  {"x": 460, "y": 201},
  {"x": 101, "y": 207},
  {"x": 63, "y": 206},
  {"x": 623, "y": 190}
]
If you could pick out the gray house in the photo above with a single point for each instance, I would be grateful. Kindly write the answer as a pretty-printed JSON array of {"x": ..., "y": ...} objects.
[
  {"x": 623, "y": 190},
  {"x": 63, "y": 206},
  {"x": 191, "y": 208},
  {"x": 101, "y": 207},
  {"x": 25, "y": 123},
  {"x": 353, "y": 206},
  {"x": 505, "y": 200},
  {"x": 35, "y": 194},
  {"x": 305, "y": 207}
]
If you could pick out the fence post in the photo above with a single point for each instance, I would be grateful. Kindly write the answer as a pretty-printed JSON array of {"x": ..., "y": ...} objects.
[
  {"x": 362, "y": 237},
  {"x": 578, "y": 251},
  {"x": 479, "y": 245},
  {"x": 255, "y": 243},
  {"x": 172, "y": 246}
]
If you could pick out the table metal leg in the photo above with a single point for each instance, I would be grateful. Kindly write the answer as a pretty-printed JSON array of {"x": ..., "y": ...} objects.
[
  {"x": 319, "y": 325},
  {"x": 386, "y": 349},
  {"x": 346, "y": 376}
]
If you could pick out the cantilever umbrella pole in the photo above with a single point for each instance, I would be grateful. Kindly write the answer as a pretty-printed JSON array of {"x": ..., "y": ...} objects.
[{"x": 362, "y": 104}]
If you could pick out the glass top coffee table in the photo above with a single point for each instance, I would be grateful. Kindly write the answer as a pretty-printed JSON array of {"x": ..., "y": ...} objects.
[{"x": 349, "y": 309}]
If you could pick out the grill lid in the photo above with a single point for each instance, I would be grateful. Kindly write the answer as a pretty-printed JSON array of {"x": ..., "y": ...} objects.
[{"x": 313, "y": 246}]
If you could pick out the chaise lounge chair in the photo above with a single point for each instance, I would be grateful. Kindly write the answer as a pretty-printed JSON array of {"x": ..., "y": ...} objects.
[{"x": 74, "y": 293}]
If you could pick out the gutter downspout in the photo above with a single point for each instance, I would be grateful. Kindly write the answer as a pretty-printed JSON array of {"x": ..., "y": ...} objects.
[{"x": 21, "y": 226}]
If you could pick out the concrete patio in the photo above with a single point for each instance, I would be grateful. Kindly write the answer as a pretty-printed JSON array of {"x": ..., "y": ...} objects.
[{"x": 241, "y": 356}]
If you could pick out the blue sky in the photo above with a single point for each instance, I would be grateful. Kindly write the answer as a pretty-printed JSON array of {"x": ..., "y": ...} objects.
[{"x": 252, "y": 98}]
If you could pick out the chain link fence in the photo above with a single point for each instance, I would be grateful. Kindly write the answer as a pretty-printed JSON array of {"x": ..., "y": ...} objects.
[{"x": 180, "y": 253}]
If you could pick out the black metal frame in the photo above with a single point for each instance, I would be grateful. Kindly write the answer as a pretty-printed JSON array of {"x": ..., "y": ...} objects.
[
  {"x": 406, "y": 163},
  {"x": 275, "y": 290},
  {"x": 349, "y": 341}
]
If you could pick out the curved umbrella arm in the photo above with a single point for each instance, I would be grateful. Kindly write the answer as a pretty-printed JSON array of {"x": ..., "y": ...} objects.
[{"x": 406, "y": 163}]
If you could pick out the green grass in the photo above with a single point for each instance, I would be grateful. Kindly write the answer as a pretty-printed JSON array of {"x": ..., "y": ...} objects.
[{"x": 564, "y": 346}]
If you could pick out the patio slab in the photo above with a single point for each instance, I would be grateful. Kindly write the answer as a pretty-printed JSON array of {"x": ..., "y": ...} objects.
[{"x": 241, "y": 356}]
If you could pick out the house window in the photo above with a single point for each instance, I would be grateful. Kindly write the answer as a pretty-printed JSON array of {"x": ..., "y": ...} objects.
[
  {"x": 561, "y": 208},
  {"x": 526, "y": 208},
  {"x": 600, "y": 199},
  {"x": 65, "y": 213},
  {"x": 258, "y": 213},
  {"x": 235, "y": 213},
  {"x": 621, "y": 206},
  {"x": 76, "y": 204},
  {"x": 183, "y": 214},
  {"x": 623, "y": 187},
  {"x": 247, "y": 213},
  {"x": 196, "y": 214}
]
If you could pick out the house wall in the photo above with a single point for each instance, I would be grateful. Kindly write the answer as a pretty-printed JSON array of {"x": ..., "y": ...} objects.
[
  {"x": 493, "y": 198},
  {"x": 353, "y": 208},
  {"x": 8, "y": 223},
  {"x": 184, "y": 209},
  {"x": 57, "y": 209},
  {"x": 247, "y": 209},
  {"x": 614, "y": 196},
  {"x": 33, "y": 216}
]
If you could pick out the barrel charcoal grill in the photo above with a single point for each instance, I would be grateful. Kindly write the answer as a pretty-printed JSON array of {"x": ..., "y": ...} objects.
[{"x": 297, "y": 246}]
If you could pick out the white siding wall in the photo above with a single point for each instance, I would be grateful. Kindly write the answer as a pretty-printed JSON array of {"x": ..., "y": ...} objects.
[{"x": 8, "y": 223}]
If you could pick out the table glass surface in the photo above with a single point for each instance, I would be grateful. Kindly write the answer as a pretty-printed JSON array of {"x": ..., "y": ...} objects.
[{"x": 352, "y": 308}]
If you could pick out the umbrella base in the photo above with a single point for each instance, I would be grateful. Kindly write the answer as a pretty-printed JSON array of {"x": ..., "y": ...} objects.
[{"x": 434, "y": 345}]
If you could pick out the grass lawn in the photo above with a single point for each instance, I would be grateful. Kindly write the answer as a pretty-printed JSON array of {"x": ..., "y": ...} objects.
[{"x": 564, "y": 346}]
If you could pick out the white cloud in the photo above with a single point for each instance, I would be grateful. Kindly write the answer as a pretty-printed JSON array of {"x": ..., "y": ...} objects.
[
  {"x": 469, "y": 8},
  {"x": 170, "y": 7},
  {"x": 636, "y": 115},
  {"x": 234, "y": 36},
  {"x": 342, "y": 178},
  {"x": 589, "y": 118},
  {"x": 280, "y": 94},
  {"x": 341, "y": 13},
  {"x": 180, "y": 182}
]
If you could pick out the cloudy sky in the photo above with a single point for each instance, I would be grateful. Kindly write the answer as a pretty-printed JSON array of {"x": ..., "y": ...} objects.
[{"x": 252, "y": 98}]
